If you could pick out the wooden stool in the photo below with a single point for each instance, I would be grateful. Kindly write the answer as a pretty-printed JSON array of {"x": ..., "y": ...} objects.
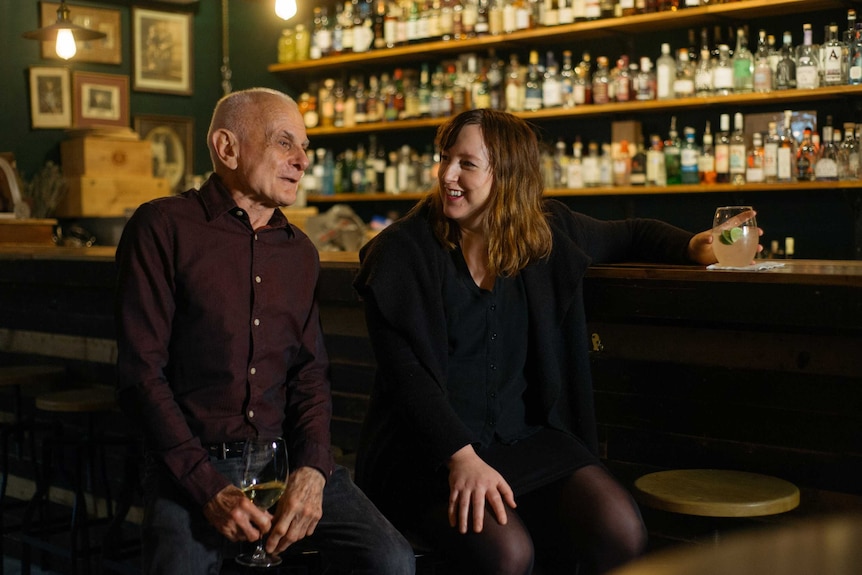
[
  {"x": 16, "y": 378},
  {"x": 716, "y": 493},
  {"x": 89, "y": 456}
]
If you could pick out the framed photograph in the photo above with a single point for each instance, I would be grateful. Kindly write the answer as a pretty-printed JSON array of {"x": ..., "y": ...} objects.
[
  {"x": 105, "y": 51},
  {"x": 161, "y": 51},
  {"x": 100, "y": 100},
  {"x": 171, "y": 138},
  {"x": 50, "y": 98}
]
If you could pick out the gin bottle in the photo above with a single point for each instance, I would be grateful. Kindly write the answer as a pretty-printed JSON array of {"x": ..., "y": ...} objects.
[
  {"x": 689, "y": 158},
  {"x": 806, "y": 157},
  {"x": 722, "y": 73},
  {"x": 787, "y": 151},
  {"x": 762, "y": 80},
  {"x": 807, "y": 66},
  {"x": 826, "y": 166},
  {"x": 738, "y": 151},
  {"x": 848, "y": 169},
  {"x": 770, "y": 153},
  {"x": 833, "y": 59},
  {"x": 722, "y": 150},
  {"x": 785, "y": 70},
  {"x": 743, "y": 64},
  {"x": 706, "y": 160}
]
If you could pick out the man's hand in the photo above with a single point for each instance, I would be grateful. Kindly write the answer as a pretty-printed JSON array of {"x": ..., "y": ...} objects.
[
  {"x": 299, "y": 509},
  {"x": 235, "y": 516}
]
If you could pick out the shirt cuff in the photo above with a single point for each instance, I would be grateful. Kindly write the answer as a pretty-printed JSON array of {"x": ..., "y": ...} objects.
[{"x": 316, "y": 455}]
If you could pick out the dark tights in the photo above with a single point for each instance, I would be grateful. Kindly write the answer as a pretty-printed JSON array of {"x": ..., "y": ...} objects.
[{"x": 586, "y": 519}]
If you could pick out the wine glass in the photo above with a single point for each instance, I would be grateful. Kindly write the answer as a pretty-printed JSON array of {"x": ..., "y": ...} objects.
[
  {"x": 264, "y": 479},
  {"x": 735, "y": 235}
]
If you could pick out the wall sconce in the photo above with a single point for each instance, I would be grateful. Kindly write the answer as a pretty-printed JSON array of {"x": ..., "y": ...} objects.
[
  {"x": 64, "y": 33},
  {"x": 285, "y": 9}
]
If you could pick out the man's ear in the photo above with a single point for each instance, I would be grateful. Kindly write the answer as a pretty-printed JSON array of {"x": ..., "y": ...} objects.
[{"x": 225, "y": 145}]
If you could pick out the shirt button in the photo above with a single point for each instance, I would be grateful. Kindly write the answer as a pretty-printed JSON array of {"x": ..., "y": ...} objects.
[
  {"x": 257, "y": 279},
  {"x": 493, "y": 307},
  {"x": 493, "y": 367},
  {"x": 253, "y": 370},
  {"x": 239, "y": 212},
  {"x": 493, "y": 394},
  {"x": 255, "y": 237},
  {"x": 492, "y": 423},
  {"x": 250, "y": 413},
  {"x": 493, "y": 336},
  {"x": 256, "y": 321}
]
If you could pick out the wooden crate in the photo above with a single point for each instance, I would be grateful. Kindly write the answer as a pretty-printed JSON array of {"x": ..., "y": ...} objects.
[
  {"x": 29, "y": 231},
  {"x": 100, "y": 156},
  {"x": 113, "y": 196}
]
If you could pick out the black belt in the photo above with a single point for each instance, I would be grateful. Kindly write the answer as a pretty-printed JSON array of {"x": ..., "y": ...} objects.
[{"x": 226, "y": 450}]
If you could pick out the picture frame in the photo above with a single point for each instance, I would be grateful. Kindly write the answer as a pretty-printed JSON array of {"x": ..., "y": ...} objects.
[
  {"x": 172, "y": 140},
  {"x": 50, "y": 97},
  {"x": 100, "y": 100},
  {"x": 161, "y": 51},
  {"x": 108, "y": 50}
]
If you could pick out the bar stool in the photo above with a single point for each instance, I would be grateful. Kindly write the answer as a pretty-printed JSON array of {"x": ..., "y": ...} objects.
[
  {"x": 16, "y": 378},
  {"x": 716, "y": 493},
  {"x": 88, "y": 460}
]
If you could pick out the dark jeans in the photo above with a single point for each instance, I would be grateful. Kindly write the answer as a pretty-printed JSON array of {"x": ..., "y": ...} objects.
[{"x": 352, "y": 536}]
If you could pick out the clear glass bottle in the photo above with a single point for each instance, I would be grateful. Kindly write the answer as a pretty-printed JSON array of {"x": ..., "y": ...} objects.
[
  {"x": 755, "y": 160},
  {"x": 672, "y": 155},
  {"x": 514, "y": 85},
  {"x": 787, "y": 151},
  {"x": 806, "y": 157},
  {"x": 762, "y": 79},
  {"x": 703, "y": 74},
  {"x": 656, "y": 175},
  {"x": 770, "y": 153},
  {"x": 683, "y": 85},
  {"x": 552, "y": 93},
  {"x": 689, "y": 156},
  {"x": 807, "y": 62},
  {"x": 567, "y": 80},
  {"x": 854, "y": 65},
  {"x": 590, "y": 166},
  {"x": 601, "y": 79},
  {"x": 743, "y": 64},
  {"x": 785, "y": 70},
  {"x": 645, "y": 82},
  {"x": 706, "y": 160},
  {"x": 665, "y": 73},
  {"x": 639, "y": 163},
  {"x": 834, "y": 62},
  {"x": 849, "y": 167},
  {"x": 287, "y": 46},
  {"x": 622, "y": 165},
  {"x": 738, "y": 151},
  {"x": 533, "y": 84},
  {"x": 722, "y": 73},
  {"x": 722, "y": 150},
  {"x": 583, "y": 90},
  {"x": 575, "y": 173},
  {"x": 826, "y": 166}
]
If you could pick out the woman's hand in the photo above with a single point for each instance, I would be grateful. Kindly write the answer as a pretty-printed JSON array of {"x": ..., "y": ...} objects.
[{"x": 472, "y": 483}]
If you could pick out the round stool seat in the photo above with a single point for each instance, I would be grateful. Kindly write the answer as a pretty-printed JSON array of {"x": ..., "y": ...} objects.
[
  {"x": 716, "y": 493},
  {"x": 88, "y": 399}
]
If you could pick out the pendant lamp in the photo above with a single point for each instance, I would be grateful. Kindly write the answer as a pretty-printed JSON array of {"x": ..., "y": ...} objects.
[{"x": 64, "y": 33}]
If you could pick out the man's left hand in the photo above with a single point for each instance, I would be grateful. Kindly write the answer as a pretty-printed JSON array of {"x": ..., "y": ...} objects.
[{"x": 299, "y": 509}]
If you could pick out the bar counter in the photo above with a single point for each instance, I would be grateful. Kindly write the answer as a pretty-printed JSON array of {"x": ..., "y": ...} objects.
[{"x": 756, "y": 371}]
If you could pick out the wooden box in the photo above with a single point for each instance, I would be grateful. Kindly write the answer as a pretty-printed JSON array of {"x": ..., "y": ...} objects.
[
  {"x": 113, "y": 196},
  {"x": 101, "y": 156},
  {"x": 29, "y": 231}
]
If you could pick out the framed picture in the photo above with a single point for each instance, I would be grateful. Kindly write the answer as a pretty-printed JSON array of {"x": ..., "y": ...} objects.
[
  {"x": 50, "y": 98},
  {"x": 108, "y": 50},
  {"x": 161, "y": 51},
  {"x": 100, "y": 100},
  {"x": 171, "y": 138}
]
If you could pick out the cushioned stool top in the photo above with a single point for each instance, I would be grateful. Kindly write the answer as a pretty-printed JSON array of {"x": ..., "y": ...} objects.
[{"x": 716, "y": 493}]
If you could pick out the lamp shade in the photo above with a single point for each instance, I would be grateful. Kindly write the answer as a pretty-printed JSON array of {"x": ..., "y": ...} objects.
[{"x": 49, "y": 33}]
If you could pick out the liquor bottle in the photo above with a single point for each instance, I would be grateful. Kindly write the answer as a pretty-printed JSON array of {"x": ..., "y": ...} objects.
[
  {"x": 665, "y": 72},
  {"x": 600, "y": 82},
  {"x": 683, "y": 84},
  {"x": 826, "y": 166},
  {"x": 574, "y": 171},
  {"x": 689, "y": 155},
  {"x": 762, "y": 79},
  {"x": 560, "y": 164},
  {"x": 514, "y": 86},
  {"x": 738, "y": 151},
  {"x": 645, "y": 82},
  {"x": 672, "y": 155},
  {"x": 849, "y": 167},
  {"x": 380, "y": 26},
  {"x": 533, "y": 84},
  {"x": 834, "y": 64},
  {"x": 483, "y": 25},
  {"x": 495, "y": 17},
  {"x": 755, "y": 159},
  {"x": 854, "y": 65},
  {"x": 770, "y": 153},
  {"x": 743, "y": 64},
  {"x": 424, "y": 91},
  {"x": 722, "y": 73},
  {"x": 567, "y": 15},
  {"x": 807, "y": 66},
  {"x": 638, "y": 171},
  {"x": 623, "y": 80},
  {"x": 627, "y": 8},
  {"x": 806, "y": 157},
  {"x": 622, "y": 165},
  {"x": 785, "y": 70},
  {"x": 706, "y": 160},
  {"x": 552, "y": 90},
  {"x": 496, "y": 81},
  {"x": 567, "y": 80},
  {"x": 338, "y": 35},
  {"x": 323, "y": 33},
  {"x": 773, "y": 57},
  {"x": 703, "y": 74},
  {"x": 583, "y": 89},
  {"x": 787, "y": 151},
  {"x": 656, "y": 175},
  {"x": 606, "y": 166},
  {"x": 592, "y": 9},
  {"x": 722, "y": 150},
  {"x": 590, "y": 166},
  {"x": 286, "y": 46}
]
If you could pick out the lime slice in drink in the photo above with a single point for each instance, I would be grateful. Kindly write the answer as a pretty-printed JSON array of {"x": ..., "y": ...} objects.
[{"x": 728, "y": 237}]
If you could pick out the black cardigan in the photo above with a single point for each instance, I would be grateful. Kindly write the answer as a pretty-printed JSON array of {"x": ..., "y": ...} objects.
[{"x": 410, "y": 427}]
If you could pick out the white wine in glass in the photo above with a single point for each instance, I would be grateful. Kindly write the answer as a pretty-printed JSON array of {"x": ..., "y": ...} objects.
[{"x": 264, "y": 479}]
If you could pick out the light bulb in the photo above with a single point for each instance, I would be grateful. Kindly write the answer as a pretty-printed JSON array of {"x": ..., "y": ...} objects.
[
  {"x": 66, "y": 47},
  {"x": 285, "y": 9}
]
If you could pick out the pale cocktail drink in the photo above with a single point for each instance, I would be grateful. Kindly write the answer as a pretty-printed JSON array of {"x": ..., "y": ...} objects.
[{"x": 735, "y": 236}]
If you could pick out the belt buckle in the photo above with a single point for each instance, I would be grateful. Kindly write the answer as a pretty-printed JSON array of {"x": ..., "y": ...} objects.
[{"x": 224, "y": 450}]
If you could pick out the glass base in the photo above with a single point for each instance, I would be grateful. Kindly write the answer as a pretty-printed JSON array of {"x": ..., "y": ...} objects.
[{"x": 258, "y": 559}]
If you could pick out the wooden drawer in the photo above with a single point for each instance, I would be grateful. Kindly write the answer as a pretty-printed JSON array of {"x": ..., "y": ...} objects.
[
  {"x": 106, "y": 197},
  {"x": 106, "y": 157}
]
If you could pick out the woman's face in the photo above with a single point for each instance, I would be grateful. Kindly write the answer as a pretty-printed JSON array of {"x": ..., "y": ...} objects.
[{"x": 465, "y": 179}]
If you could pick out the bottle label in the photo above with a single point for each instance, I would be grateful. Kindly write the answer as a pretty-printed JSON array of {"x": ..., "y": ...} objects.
[
  {"x": 722, "y": 159},
  {"x": 807, "y": 77},
  {"x": 785, "y": 164},
  {"x": 737, "y": 159},
  {"x": 722, "y": 78}
]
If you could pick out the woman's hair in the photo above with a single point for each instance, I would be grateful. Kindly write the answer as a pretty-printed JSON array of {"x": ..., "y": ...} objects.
[{"x": 516, "y": 227}]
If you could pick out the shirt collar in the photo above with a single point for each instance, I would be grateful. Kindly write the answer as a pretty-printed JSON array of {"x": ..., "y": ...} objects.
[{"x": 217, "y": 201}]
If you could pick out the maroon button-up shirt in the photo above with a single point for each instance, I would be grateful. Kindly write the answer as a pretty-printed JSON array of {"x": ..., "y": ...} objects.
[{"x": 219, "y": 335}]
